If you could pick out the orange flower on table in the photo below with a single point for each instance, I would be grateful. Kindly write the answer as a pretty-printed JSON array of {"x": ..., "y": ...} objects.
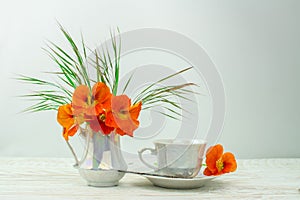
[
  {"x": 218, "y": 163},
  {"x": 123, "y": 116},
  {"x": 69, "y": 122}
]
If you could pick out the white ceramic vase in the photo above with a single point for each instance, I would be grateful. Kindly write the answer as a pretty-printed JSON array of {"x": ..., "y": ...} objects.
[{"x": 102, "y": 159}]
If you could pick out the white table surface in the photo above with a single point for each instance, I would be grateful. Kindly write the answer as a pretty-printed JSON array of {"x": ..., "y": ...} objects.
[{"x": 53, "y": 178}]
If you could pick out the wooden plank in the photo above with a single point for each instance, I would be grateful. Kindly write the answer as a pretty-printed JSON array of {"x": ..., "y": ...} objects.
[{"x": 55, "y": 178}]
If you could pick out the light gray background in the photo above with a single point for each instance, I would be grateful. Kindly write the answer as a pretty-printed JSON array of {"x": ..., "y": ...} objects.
[{"x": 255, "y": 45}]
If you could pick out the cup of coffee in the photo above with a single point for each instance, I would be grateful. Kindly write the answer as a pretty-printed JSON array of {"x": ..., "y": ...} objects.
[{"x": 176, "y": 157}]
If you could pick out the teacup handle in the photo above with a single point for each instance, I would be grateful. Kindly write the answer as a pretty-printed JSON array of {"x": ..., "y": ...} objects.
[{"x": 153, "y": 152}]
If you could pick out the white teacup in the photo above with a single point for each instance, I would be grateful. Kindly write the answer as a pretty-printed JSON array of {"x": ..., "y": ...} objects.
[{"x": 179, "y": 157}]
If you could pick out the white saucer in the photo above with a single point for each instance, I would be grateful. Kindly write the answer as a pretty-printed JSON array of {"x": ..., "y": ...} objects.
[{"x": 179, "y": 183}]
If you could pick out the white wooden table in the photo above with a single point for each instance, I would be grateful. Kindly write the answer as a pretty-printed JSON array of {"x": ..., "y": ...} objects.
[{"x": 51, "y": 178}]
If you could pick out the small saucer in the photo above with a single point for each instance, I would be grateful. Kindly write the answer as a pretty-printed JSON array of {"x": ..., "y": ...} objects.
[{"x": 179, "y": 183}]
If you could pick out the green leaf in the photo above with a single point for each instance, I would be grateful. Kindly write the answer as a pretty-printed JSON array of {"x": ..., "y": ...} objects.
[{"x": 127, "y": 83}]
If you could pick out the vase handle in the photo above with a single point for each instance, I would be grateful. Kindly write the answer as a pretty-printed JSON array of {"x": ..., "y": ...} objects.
[
  {"x": 85, "y": 153},
  {"x": 74, "y": 154},
  {"x": 153, "y": 152}
]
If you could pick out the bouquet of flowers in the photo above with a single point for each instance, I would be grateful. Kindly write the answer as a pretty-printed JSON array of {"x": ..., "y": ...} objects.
[{"x": 94, "y": 104}]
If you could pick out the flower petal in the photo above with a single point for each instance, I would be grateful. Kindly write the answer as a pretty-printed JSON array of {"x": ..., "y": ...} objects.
[
  {"x": 65, "y": 116},
  {"x": 93, "y": 110},
  {"x": 101, "y": 94},
  {"x": 229, "y": 162},
  {"x": 70, "y": 131},
  {"x": 122, "y": 116},
  {"x": 120, "y": 132},
  {"x": 109, "y": 120},
  {"x": 135, "y": 112},
  {"x": 80, "y": 97},
  {"x": 207, "y": 172},
  {"x": 97, "y": 125},
  {"x": 213, "y": 154},
  {"x": 120, "y": 104}
]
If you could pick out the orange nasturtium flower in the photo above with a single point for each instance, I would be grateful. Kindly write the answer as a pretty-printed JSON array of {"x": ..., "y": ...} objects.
[
  {"x": 123, "y": 116},
  {"x": 93, "y": 105},
  {"x": 87, "y": 106},
  {"x": 69, "y": 122},
  {"x": 218, "y": 163}
]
